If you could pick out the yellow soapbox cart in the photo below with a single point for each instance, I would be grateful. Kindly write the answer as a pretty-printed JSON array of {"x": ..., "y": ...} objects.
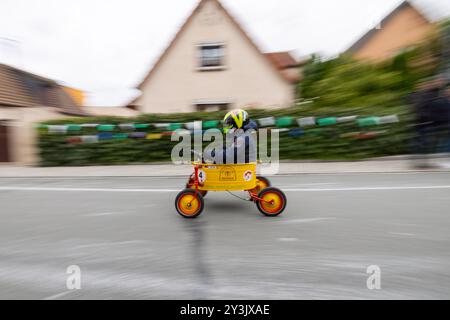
[{"x": 189, "y": 203}]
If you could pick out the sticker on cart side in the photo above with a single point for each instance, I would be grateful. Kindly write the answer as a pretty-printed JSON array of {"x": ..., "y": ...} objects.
[
  {"x": 248, "y": 175},
  {"x": 201, "y": 176},
  {"x": 227, "y": 173}
]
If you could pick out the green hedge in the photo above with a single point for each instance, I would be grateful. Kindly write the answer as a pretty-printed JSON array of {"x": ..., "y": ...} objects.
[{"x": 330, "y": 140}]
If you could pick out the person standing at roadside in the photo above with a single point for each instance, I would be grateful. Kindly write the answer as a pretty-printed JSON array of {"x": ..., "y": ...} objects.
[{"x": 432, "y": 119}]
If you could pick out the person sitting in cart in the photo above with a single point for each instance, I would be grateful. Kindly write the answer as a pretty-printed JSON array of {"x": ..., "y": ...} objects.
[{"x": 240, "y": 143}]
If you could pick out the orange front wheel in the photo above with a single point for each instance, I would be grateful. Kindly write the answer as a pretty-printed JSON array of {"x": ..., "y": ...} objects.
[
  {"x": 189, "y": 203},
  {"x": 272, "y": 201}
]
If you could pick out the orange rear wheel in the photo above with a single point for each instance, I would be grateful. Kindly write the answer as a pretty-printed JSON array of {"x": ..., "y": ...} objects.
[
  {"x": 189, "y": 203},
  {"x": 261, "y": 184},
  {"x": 272, "y": 203}
]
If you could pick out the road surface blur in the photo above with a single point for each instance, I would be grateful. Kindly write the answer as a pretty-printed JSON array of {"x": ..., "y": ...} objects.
[{"x": 130, "y": 243}]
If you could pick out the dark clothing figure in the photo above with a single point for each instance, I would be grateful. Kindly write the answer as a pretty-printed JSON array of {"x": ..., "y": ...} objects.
[
  {"x": 432, "y": 110},
  {"x": 241, "y": 147}
]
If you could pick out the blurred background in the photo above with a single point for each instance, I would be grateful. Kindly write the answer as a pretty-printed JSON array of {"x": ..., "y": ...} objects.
[
  {"x": 338, "y": 81},
  {"x": 91, "y": 93}
]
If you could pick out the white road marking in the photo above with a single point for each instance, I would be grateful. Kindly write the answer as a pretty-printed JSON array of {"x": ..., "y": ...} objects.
[
  {"x": 365, "y": 188},
  {"x": 402, "y": 234},
  {"x": 306, "y": 220},
  {"x": 85, "y": 189},
  {"x": 287, "y": 239},
  {"x": 310, "y": 184},
  {"x": 102, "y": 214},
  {"x": 59, "y": 295},
  {"x": 108, "y": 244},
  {"x": 177, "y": 190},
  {"x": 405, "y": 224}
]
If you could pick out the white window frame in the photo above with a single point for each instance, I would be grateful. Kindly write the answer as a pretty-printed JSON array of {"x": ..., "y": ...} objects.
[
  {"x": 199, "y": 48},
  {"x": 204, "y": 102}
]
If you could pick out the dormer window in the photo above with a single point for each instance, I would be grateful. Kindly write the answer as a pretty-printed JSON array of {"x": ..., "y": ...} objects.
[{"x": 211, "y": 56}]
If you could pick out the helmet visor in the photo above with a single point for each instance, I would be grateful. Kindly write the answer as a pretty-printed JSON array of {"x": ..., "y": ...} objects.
[{"x": 227, "y": 128}]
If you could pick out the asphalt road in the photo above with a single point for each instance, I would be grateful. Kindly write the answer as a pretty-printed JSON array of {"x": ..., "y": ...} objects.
[{"x": 129, "y": 242}]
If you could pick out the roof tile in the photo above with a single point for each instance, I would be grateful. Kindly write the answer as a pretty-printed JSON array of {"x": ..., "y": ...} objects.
[{"x": 19, "y": 88}]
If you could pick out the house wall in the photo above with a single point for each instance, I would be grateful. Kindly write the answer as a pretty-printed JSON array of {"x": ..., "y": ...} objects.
[
  {"x": 406, "y": 28},
  {"x": 293, "y": 73},
  {"x": 248, "y": 78},
  {"x": 111, "y": 111},
  {"x": 22, "y": 133}
]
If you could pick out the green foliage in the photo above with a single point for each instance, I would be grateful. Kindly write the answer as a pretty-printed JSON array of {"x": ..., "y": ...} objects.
[
  {"x": 325, "y": 142},
  {"x": 354, "y": 85}
]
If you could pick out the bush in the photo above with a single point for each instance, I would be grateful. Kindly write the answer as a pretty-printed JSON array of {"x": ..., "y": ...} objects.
[{"x": 334, "y": 141}]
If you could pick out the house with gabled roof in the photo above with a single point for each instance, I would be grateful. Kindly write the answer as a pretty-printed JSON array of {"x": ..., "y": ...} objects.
[
  {"x": 404, "y": 27},
  {"x": 25, "y": 100},
  {"x": 212, "y": 64}
]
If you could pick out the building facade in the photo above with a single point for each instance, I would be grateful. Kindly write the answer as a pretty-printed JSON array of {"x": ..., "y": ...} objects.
[
  {"x": 212, "y": 64},
  {"x": 25, "y": 100},
  {"x": 404, "y": 27}
]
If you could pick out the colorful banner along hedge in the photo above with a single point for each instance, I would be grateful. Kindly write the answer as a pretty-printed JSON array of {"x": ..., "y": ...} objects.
[
  {"x": 284, "y": 122},
  {"x": 327, "y": 121},
  {"x": 306, "y": 134},
  {"x": 306, "y": 122},
  {"x": 281, "y": 122},
  {"x": 295, "y": 127}
]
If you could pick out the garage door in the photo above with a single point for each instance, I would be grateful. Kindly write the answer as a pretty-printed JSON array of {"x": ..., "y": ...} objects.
[{"x": 4, "y": 150}]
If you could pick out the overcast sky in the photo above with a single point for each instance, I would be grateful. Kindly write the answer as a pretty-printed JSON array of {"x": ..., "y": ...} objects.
[{"x": 106, "y": 47}]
